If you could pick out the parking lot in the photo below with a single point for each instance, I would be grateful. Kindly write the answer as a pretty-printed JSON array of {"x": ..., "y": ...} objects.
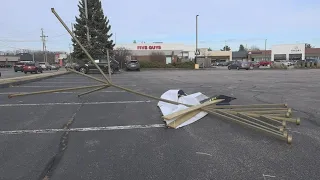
[{"x": 112, "y": 145}]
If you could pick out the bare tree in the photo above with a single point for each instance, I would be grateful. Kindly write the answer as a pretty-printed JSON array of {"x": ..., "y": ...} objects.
[
  {"x": 121, "y": 54},
  {"x": 309, "y": 45},
  {"x": 255, "y": 48},
  {"x": 158, "y": 57}
]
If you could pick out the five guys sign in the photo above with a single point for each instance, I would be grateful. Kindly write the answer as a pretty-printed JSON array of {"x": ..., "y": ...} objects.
[{"x": 149, "y": 47}]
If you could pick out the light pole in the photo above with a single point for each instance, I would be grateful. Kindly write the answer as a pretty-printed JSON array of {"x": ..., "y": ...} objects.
[
  {"x": 196, "y": 53},
  {"x": 265, "y": 49}
]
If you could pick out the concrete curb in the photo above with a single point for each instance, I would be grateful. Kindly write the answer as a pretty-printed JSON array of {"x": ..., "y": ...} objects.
[{"x": 8, "y": 82}]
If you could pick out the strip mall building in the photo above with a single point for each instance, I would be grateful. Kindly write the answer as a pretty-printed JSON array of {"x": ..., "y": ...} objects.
[
  {"x": 143, "y": 51},
  {"x": 285, "y": 52}
]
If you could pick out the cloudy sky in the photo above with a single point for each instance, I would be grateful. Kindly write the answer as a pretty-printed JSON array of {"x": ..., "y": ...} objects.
[{"x": 234, "y": 22}]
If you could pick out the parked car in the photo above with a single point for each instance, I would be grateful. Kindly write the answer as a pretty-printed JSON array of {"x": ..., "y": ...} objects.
[
  {"x": 18, "y": 66},
  {"x": 286, "y": 63},
  {"x": 255, "y": 64},
  {"x": 45, "y": 65},
  {"x": 312, "y": 61},
  {"x": 55, "y": 67},
  {"x": 239, "y": 65},
  {"x": 132, "y": 65},
  {"x": 33, "y": 67},
  {"x": 89, "y": 67},
  {"x": 265, "y": 63}
]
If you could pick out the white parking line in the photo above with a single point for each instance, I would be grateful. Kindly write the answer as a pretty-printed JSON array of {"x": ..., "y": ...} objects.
[
  {"x": 75, "y": 103},
  {"x": 67, "y": 92},
  {"x": 69, "y": 86},
  {"x": 108, "y": 128},
  {"x": 203, "y": 153}
]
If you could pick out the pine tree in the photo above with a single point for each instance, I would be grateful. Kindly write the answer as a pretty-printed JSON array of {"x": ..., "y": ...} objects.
[
  {"x": 100, "y": 37},
  {"x": 241, "y": 48}
]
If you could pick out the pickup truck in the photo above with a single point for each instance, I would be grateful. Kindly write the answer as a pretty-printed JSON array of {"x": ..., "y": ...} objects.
[{"x": 90, "y": 67}]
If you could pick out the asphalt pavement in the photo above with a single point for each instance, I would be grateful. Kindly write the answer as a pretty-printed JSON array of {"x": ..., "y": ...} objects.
[
  {"x": 121, "y": 135},
  {"x": 9, "y": 73}
]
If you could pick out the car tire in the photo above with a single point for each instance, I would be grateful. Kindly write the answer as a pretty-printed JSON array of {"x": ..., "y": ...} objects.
[
  {"x": 247, "y": 69},
  {"x": 238, "y": 68},
  {"x": 138, "y": 69},
  {"x": 229, "y": 67},
  {"x": 25, "y": 72},
  {"x": 15, "y": 71},
  {"x": 83, "y": 70}
]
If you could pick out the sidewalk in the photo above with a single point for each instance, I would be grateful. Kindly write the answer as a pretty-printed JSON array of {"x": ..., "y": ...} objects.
[{"x": 7, "y": 82}]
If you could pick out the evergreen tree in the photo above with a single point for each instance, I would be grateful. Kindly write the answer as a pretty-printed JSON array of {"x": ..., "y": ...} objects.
[
  {"x": 100, "y": 37},
  {"x": 242, "y": 48},
  {"x": 226, "y": 48}
]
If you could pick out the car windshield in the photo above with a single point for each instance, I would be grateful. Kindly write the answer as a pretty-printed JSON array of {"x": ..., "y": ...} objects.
[
  {"x": 30, "y": 64},
  {"x": 133, "y": 61},
  {"x": 19, "y": 63},
  {"x": 41, "y": 63}
]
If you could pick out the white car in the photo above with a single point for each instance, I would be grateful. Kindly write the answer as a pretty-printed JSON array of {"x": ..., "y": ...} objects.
[
  {"x": 45, "y": 65},
  {"x": 287, "y": 63}
]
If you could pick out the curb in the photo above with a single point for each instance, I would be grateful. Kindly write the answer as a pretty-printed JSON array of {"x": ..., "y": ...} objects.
[{"x": 24, "y": 81}]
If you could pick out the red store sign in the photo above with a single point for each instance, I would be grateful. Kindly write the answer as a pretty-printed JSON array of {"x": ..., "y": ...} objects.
[{"x": 149, "y": 47}]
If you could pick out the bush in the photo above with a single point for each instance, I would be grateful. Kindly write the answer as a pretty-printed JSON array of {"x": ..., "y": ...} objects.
[
  {"x": 147, "y": 64},
  {"x": 188, "y": 65},
  {"x": 278, "y": 65},
  {"x": 153, "y": 64}
]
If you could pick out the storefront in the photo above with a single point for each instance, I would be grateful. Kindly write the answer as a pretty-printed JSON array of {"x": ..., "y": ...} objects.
[
  {"x": 260, "y": 55},
  {"x": 143, "y": 51},
  {"x": 312, "y": 53},
  {"x": 239, "y": 55},
  {"x": 8, "y": 60},
  {"x": 288, "y": 52},
  {"x": 216, "y": 56}
]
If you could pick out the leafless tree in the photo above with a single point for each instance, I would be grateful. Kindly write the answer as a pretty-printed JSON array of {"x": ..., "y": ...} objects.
[
  {"x": 121, "y": 54},
  {"x": 254, "y": 48},
  {"x": 309, "y": 45},
  {"x": 158, "y": 57}
]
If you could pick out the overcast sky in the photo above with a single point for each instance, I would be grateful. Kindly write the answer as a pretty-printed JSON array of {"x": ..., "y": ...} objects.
[{"x": 235, "y": 21}]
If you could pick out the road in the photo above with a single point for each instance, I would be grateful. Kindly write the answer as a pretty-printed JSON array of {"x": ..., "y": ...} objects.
[
  {"x": 110, "y": 146},
  {"x": 9, "y": 73}
]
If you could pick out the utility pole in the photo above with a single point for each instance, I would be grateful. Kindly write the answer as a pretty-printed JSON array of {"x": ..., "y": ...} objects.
[
  {"x": 87, "y": 19},
  {"x": 265, "y": 49},
  {"x": 69, "y": 48},
  {"x": 44, "y": 47},
  {"x": 197, "y": 51},
  {"x": 70, "y": 57}
]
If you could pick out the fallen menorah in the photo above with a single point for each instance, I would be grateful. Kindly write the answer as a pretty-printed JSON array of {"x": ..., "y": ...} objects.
[{"x": 268, "y": 118}]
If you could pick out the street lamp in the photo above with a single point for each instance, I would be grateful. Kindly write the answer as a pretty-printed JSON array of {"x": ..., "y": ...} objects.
[{"x": 197, "y": 52}]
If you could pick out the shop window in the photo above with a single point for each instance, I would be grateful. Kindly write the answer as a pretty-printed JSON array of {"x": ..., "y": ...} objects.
[
  {"x": 295, "y": 56},
  {"x": 312, "y": 57},
  {"x": 278, "y": 57}
]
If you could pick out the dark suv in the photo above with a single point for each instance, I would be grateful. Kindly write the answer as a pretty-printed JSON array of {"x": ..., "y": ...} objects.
[
  {"x": 90, "y": 67},
  {"x": 239, "y": 65},
  {"x": 18, "y": 66}
]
